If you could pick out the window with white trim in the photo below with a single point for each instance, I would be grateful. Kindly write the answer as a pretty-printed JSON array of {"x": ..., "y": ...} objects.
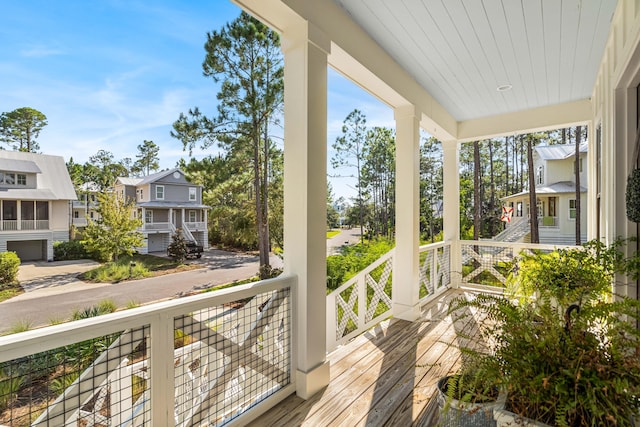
[
  {"x": 572, "y": 208},
  {"x": 159, "y": 192},
  {"x": 192, "y": 193},
  {"x": 148, "y": 216},
  {"x": 540, "y": 175},
  {"x": 193, "y": 216},
  {"x": 22, "y": 179}
]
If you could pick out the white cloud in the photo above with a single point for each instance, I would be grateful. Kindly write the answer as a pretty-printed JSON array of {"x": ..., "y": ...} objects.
[{"x": 41, "y": 51}]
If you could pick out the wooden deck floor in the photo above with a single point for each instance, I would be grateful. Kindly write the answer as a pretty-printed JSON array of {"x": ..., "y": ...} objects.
[{"x": 385, "y": 377}]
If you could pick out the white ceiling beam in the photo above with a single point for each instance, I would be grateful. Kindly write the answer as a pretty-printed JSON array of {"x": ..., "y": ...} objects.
[{"x": 520, "y": 122}]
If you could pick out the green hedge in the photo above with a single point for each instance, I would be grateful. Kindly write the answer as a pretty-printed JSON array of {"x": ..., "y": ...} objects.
[
  {"x": 9, "y": 263},
  {"x": 73, "y": 249}
]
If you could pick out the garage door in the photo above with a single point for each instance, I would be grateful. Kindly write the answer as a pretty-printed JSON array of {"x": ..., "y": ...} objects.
[
  {"x": 29, "y": 250},
  {"x": 155, "y": 243}
]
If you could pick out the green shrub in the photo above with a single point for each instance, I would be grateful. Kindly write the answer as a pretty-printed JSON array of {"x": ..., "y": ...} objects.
[
  {"x": 177, "y": 249},
  {"x": 354, "y": 259},
  {"x": 9, "y": 263},
  {"x": 73, "y": 249}
]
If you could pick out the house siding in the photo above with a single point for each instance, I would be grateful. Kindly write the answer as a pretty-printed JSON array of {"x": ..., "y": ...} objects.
[{"x": 59, "y": 218}]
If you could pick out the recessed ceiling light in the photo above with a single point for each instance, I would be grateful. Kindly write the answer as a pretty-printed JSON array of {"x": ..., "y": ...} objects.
[{"x": 504, "y": 88}]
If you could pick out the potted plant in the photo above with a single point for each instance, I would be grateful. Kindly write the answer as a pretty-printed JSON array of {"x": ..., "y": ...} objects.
[
  {"x": 566, "y": 356},
  {"x": 466, "y": 399}
]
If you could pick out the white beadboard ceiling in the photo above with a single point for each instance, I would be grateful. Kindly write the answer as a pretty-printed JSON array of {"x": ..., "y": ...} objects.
[{"x": 461, "y": 51}]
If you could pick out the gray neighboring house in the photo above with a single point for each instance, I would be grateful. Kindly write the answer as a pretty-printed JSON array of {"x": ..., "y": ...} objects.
[
  {"x": 35, "y": 196},
  {"x": 166, "y": 201}
]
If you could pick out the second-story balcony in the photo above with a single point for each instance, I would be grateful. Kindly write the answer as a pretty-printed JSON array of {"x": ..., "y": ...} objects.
[
  {"x": 157, "y": 226},
  {"x": 25, "y": 224},
  {"x": 195, "y": 226}
]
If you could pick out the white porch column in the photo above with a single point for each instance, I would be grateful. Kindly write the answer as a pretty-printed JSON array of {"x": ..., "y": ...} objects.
[
  {"x": 406, "y": 283},
  {"x": 19, "y": 215},
  {"x": 451, "y": 208},
  {"x": 305, "y": 197}
]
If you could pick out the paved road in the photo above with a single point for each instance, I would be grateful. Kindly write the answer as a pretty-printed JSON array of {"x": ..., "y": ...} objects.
[
  {"x": 348, "y": 236},
  {"x": 58, "y": 296}
]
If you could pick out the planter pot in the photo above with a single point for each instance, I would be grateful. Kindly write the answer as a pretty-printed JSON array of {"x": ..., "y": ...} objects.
[
  {"x": 463, "y": 414},
  {"x": 506, "y": 418}
]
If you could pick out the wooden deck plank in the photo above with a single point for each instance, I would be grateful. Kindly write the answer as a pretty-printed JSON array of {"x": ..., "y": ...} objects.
[
  {"x": 386, "y": 376},
  {"x": 409, "y": 411},
  {"x": 435, "y": 357}
]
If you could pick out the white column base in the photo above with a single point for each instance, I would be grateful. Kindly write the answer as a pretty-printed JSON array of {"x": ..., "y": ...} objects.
[
  {"x": 309, "y": 383},
  {"x": 410, "y": 313}
]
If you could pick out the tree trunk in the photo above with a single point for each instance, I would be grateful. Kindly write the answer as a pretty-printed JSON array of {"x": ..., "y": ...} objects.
[
  {"x": 533, "y": 204},
  {"x": 506, "y": 165},
  {"x": 492, "y": 191},
  {"x": 577, "y": 174},
  {"x": 476, "y": 191}
]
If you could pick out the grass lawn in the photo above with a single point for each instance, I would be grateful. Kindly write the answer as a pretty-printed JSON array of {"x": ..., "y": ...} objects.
[
  {"x": 137, "y": 266},
  {"x": 10, "y": 291},
  {"x": 332, "y": 233}
]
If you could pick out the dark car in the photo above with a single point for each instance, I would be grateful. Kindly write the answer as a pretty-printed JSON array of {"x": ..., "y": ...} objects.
[{"x": 194, "y": 250}]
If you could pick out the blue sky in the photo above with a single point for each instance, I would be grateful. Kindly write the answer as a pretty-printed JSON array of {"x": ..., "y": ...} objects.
[{"x": 109, "y": 74}]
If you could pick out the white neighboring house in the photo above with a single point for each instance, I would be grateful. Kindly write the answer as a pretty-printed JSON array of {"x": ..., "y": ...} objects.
[
  {"x": 35, "y": 195},
  {"x": 556, "y": 197},
  {"x": 84, "y": 208},
  {"x": 166, "y": 201}
]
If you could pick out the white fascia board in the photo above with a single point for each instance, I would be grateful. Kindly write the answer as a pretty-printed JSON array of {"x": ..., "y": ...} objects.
[{"x": 534, "y": 120}]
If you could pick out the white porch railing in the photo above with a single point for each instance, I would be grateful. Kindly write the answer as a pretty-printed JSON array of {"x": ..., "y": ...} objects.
[
  {"x": 366, "y": 299},
  {"x": 202, "y": 360},
  {"x": 9, "y": 224},
  {"x": 157, "y": 226},
  {"x": 33, "y": 224},
  {"x": 195, "y": 226},
  {"x": 488, "y": 262},
  {"x": 80, "y": 222}
]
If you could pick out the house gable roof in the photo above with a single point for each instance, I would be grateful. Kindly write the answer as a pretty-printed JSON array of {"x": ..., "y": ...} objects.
[
  {"x": 559, "y": 151},
  {"x": 155, "y": 177},
  {"x": 53, "y": 181}
]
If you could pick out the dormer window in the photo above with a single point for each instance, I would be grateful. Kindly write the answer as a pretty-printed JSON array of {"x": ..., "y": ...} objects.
[
  {"x": 22, "y": 179},
  {"x": 160, "y": 192},
  {"x": 10, "y": 178}
]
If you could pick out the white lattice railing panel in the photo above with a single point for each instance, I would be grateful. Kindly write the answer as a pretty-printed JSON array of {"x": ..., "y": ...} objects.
[
  {"x": 229, "y": 353},
  {"x": 489, "y": 263},
  {"x": 361, "y": 302},
  {"x": 435, "y": 266}
]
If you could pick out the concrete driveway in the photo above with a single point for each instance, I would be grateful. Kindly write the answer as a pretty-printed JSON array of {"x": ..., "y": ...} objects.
[{"x": 43, "y": 274}]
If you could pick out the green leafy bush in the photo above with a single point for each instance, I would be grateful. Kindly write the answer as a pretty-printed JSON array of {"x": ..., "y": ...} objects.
[
  {"x": 354, "y": 259},
  {"x": 73, "y": 249},
  {"x": 569, "y": 356},
  {"x": 9, "y": 263}
]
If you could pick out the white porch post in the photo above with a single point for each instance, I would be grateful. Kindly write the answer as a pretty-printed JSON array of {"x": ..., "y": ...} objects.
[
  {"x": 305, "y": 203},
  {"x": 406, "y": 284},
  {"x": 19, "y": 215},
  {"x": 451, "y": 208}
]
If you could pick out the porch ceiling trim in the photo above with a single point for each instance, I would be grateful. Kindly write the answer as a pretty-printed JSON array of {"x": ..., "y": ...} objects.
[{"x": 532, "y": 120}]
